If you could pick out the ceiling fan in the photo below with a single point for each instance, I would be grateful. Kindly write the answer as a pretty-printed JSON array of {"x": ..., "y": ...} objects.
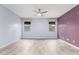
[{"x": 40, "y": 12}]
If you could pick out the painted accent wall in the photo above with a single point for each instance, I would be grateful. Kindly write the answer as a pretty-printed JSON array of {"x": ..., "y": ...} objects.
[
  {"x": 69, "y": 26},
  {"x": 9, "y": 27}
]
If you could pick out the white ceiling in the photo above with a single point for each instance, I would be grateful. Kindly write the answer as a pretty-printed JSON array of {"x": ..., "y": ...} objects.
[{"x": 27, "y": 10}]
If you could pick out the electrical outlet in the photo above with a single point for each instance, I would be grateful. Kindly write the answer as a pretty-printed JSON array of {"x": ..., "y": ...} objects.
[{"x": 73, "y": 41}]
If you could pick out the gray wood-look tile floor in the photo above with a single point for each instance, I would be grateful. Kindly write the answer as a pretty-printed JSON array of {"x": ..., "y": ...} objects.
[{"x": 39, "y": 47}]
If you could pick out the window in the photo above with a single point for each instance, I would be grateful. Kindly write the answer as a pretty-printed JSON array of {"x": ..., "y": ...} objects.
[
  {"x": 52, "y": 25},
  {"x": 51, "y": 28},
  {"x": 26, "y": 28},
  {"x": 27, "y": 25}
]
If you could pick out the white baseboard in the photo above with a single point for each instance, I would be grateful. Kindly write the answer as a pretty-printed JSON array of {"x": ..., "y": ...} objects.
[
  {"x": 9, "y": 43},
  {"x": 69, "y": 44}
]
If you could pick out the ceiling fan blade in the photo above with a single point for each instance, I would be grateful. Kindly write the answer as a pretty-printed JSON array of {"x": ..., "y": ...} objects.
[
  {"x": 45, "y": 12},
  {"x": 38, "y": 11}
]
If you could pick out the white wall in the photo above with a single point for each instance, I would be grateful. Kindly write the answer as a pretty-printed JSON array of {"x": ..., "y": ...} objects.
[
  {"x": 39, "y": 29},
  {"x": 9, "y": 27}
]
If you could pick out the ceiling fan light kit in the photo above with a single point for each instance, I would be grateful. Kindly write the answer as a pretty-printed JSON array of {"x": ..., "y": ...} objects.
[{"x": 39, "y": 12}]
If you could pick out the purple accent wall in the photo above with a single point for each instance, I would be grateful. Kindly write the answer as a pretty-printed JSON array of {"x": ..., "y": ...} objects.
[{"x": 69, "y": 26}]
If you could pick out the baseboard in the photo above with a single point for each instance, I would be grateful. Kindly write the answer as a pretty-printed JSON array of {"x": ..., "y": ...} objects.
[
  {"x": 9, "y": 44},
  {"x": 69, "y": 44},
  {"x": 39, "y": 38}
]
